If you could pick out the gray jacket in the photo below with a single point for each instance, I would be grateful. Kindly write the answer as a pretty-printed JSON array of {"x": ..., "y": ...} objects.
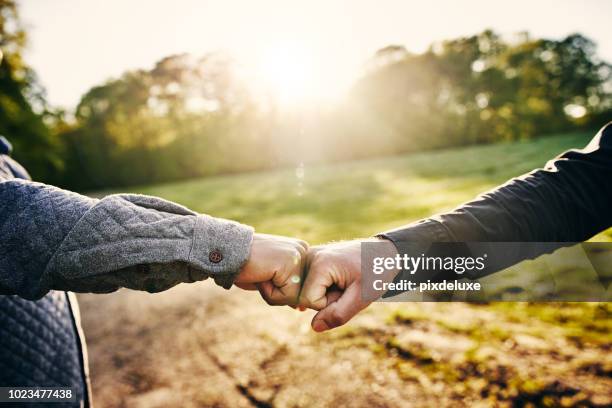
[{"x": 53, "y": 240}]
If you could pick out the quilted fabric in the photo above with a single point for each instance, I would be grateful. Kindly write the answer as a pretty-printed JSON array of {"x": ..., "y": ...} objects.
[
  {"x": 39, "y": 345},
  {"x": 39, "y": 340},
  {"x": 124, "y": 231},
  {"x": 31, "y": 235}
]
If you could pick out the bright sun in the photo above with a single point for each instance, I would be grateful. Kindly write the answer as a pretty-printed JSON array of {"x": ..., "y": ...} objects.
[{"x": 288, "y": 72}]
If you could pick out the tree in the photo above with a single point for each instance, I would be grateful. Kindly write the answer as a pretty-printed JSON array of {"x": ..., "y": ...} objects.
[{"x": 23, "y": 108}]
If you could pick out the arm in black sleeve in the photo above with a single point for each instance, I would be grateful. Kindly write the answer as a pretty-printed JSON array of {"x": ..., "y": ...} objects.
[{"x": 570, "y": 200}]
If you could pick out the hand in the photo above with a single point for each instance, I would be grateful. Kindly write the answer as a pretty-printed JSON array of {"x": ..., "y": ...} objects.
[
  {"x": 333, "y": 282},
  {"x": 274, "y": 267}
]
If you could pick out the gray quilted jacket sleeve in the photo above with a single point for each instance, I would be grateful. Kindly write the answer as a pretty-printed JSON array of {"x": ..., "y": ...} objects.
[{"x": 55, "y": 239}]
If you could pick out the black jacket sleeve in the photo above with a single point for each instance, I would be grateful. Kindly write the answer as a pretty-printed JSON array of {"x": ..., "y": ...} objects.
[{"x": 569, "y": 200}]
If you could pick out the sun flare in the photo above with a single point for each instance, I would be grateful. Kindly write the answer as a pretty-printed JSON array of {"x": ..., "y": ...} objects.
[{"x": 289, "y": 74}]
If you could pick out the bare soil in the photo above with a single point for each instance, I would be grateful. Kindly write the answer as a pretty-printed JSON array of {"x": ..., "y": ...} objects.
[{"x": 201, "y": 346}]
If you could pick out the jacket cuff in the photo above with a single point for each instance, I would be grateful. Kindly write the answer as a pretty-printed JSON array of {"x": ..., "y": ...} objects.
[
  {"x": 220, "y": 247},
  {"x": 413, "y": 238},
  {"x": 428, "y": 230}
]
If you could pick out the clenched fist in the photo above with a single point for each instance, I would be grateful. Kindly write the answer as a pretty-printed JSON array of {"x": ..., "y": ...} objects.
[
  {"x": 333, "y": 282},
  {"x": 274, "y": 267}
]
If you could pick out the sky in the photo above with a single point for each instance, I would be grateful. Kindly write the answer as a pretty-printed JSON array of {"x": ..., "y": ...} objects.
[{"x": 76, "y": 44}]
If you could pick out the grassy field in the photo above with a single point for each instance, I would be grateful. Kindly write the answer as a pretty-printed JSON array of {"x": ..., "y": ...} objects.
[
  {"x": 197, "y": 345},
  {"x": 360, "y": 198}
]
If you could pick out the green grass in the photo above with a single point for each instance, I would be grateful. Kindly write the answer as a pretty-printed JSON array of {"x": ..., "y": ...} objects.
[{"x": 361, "y": 198}]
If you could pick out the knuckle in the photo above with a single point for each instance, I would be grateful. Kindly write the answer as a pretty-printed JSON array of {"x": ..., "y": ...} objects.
[
  {"x": 308, "y": 300},
  {"x": 296, "y": 253},
  {"x": 290, "y": 259},
  {"x": 303, "y": 245},
  {"x": 313, "y": 252},
  {"x": 302, "y": 251}
]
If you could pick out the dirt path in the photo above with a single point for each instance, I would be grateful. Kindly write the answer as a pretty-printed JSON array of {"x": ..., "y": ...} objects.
[{"x": 200, "y": 346}]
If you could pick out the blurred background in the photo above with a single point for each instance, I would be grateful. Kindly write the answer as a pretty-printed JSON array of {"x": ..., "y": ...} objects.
[{"x": 326, "y": 120}]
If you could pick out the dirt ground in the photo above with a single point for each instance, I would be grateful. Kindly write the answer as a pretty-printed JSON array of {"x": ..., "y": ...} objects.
[{"x": 201, "y": 346}]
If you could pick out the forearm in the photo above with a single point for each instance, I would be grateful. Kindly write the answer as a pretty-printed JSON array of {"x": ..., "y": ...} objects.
[{"x": 54, "y": 239}]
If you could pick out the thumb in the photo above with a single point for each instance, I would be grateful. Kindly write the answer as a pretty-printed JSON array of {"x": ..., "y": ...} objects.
[
  {"x": 342, "y": 310},
  {"x": 320, "y": 277}
]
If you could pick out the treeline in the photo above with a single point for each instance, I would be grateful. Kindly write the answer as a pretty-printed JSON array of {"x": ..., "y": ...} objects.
[{"x": 190, "y": 117}]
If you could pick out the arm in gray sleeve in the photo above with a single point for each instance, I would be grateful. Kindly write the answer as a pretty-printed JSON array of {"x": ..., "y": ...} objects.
[{"x": 54, "y": 239}]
